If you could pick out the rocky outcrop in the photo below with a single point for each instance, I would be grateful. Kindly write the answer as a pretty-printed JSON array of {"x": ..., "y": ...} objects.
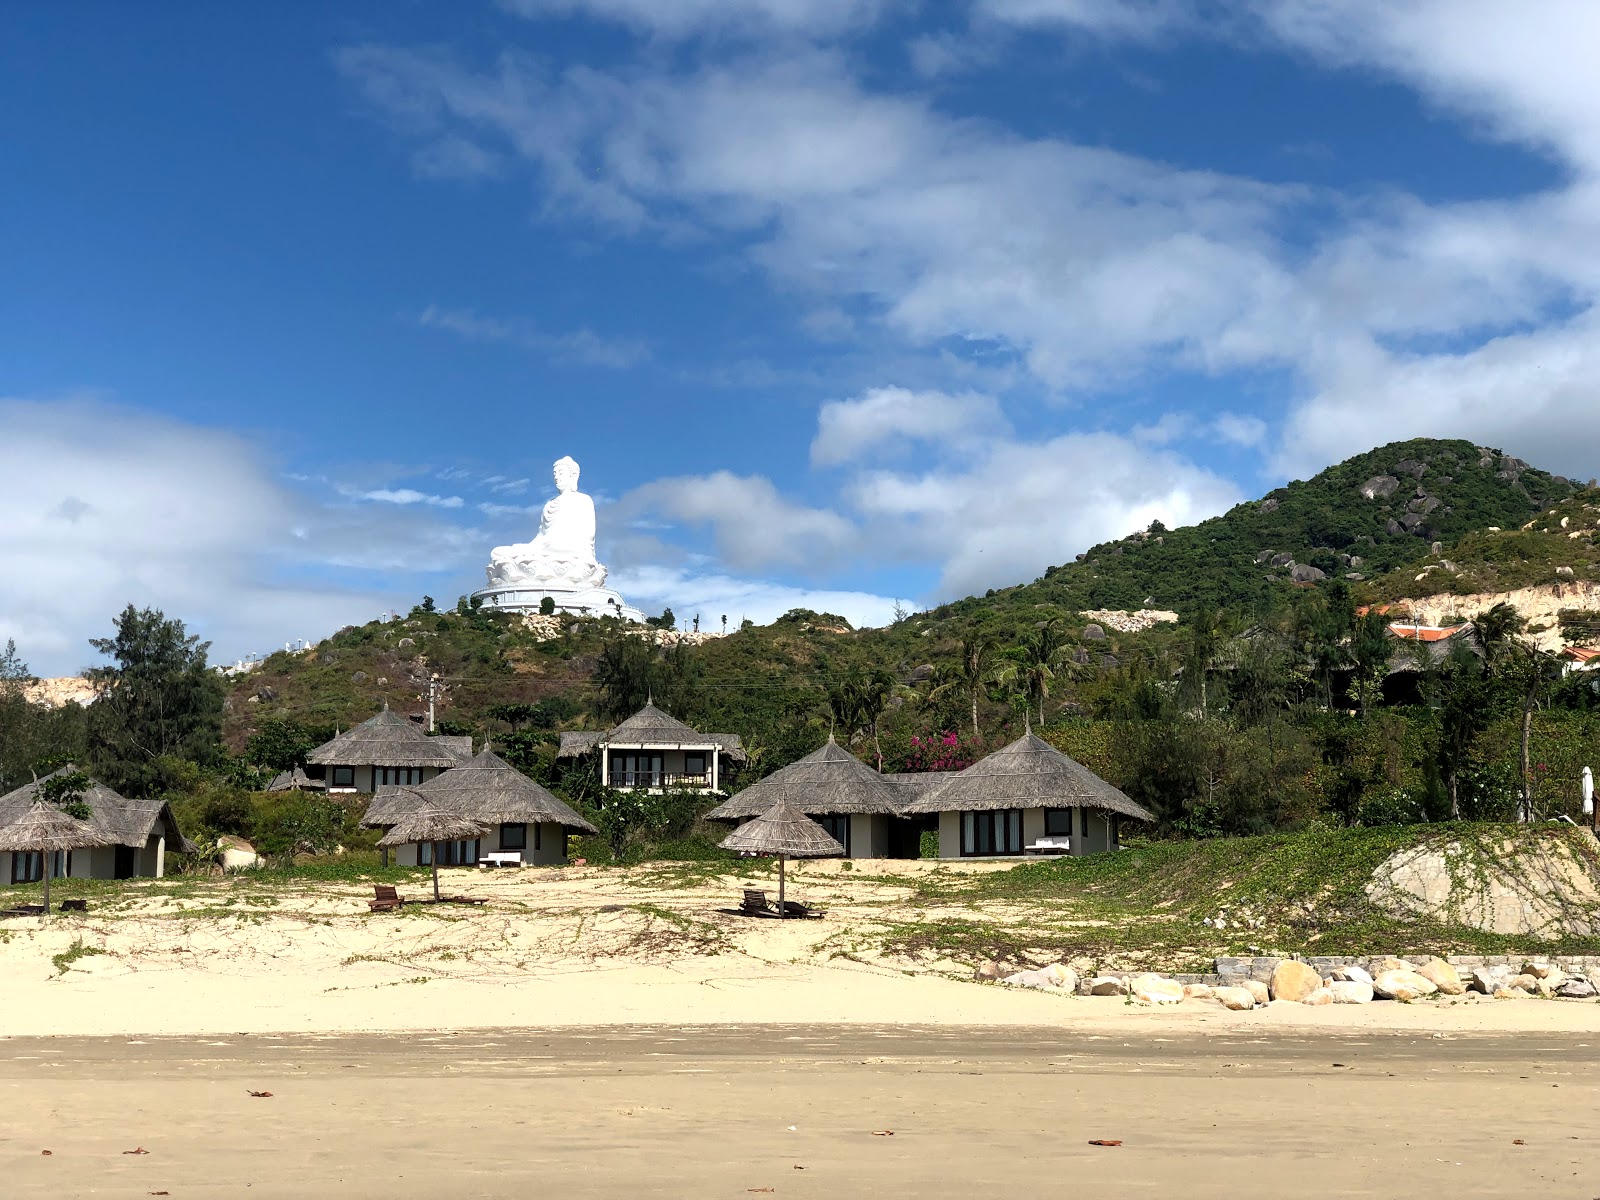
[
  {"x": 1125, "y": 621},
  {"x": 1402, "y": 985},
  {"x": 1540, "y": 606},
  {"x": 1546, "y": 888}
]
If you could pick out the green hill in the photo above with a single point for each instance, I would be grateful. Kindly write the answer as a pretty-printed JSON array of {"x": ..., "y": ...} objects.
[{"x": 1369, "y": 517}]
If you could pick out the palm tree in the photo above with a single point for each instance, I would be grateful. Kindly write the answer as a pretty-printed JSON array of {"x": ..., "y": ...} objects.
[
  {"x": 1033, "y": 663},
  {"x": 972, "y": 672}
]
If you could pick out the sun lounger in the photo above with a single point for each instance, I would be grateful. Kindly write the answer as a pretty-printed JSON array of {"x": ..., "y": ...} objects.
[
  {"x": 24, "y": 910},
  {"x": 385, "y": 898},
  {"x": 793, "y": 908},
  {"x": 756, "y": 903},
  {"x": 500, "y": 858},
  {"x": 74, "y": 906}
]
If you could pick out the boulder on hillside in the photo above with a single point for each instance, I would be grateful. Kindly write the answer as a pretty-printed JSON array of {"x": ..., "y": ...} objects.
[
  {"x": 1305, "y": 573},
  {"x": 1543, "y": 888},
  {"x": 1410, "y": 466},
  {"x": 1093, "y": 633},
  {"x": 1282, "y": 560},
  {"x": 1380, "y": 486}
]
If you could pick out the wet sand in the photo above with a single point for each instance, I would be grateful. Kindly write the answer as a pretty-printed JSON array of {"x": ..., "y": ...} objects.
[{"x": 731, "y": 1110}]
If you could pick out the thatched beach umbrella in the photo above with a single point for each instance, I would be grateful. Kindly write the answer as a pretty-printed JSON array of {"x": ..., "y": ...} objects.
[
  {"x": 787, "y": 832},
  {"x": 828, "y": 780},
  {"x": 43, "y": 830},
  {"x": 430, "y": 825}
]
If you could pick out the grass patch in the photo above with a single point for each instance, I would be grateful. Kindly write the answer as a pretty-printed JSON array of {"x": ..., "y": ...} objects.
[{"x": 63, "y": 961}]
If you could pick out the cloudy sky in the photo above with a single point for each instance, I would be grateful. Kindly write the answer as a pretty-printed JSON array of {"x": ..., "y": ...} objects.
[{"x": 836, "y": 301}]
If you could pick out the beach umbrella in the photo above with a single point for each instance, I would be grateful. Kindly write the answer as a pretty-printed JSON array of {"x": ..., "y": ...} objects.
[
  {"x": 43, "y": 830},
  {"x": 1588, "y": 790},
  {"x": 430, "y": 824},
  {"x": 787, "y": 832},
  {"x": 828, "y": 780}
]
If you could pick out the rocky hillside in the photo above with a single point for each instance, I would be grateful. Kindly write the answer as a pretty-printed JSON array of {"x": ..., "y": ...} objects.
[{"x": 1367, "y": 516}]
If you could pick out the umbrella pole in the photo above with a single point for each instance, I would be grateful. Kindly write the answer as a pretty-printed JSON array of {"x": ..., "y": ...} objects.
[
  {"x": 781, "y": 911},
  {"x": 44, "y": 857}
]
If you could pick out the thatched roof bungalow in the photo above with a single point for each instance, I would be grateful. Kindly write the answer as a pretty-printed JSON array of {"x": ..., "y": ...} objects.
[
  {"x": 140, "y": 832},
  {"x": 836, "y": 789},
  {"x": 1028, "y": 796},
  {"x": 654, "y": 750},
  {"x": 524, "y": 823},
  {"x": 384, "y": 751}
]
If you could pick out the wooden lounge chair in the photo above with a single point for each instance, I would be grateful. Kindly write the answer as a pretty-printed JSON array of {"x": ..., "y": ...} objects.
[
  {"x": 75, "y": 906},
  {"x": 756, "y": 903},
  {"x": 793, "y": 908},
  {"x": 385, "y": 898}
]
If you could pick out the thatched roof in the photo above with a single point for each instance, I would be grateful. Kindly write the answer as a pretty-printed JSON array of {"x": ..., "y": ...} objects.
[
  {"x": 1029, "y": 773},
  {"x": 916, "y": 785},
  {"x": 429, "y": 823},
  {"x": 486, "y": 789},
  {"x": 44, "y": 829},
  {"x": 126, "y": 822},
  {"x": 828, "y": 780},
  {"x": 652, "y": 728},
  {"x": 783, "y": 829},
  {"x": 388, "y": 740},
  {"x": 296, "y": 781}
]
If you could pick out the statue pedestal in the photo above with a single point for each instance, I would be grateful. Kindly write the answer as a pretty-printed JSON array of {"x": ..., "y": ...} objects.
[{"x": 578, "y": 602}]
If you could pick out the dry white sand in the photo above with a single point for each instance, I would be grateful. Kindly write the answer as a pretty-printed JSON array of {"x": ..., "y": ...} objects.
[{"x": 554, "y": 949}]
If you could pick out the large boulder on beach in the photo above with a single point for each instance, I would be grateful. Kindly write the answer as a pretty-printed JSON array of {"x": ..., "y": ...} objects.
[
  {"x": 1031, "y": 979},
  {"x": 1402, "y": 985},
  {"x": 1294, "y": 980},
  {"x": 1063, "y": 977},
  {"x": 1352, "y": 974},
  {"x": 1487, "y": 979},
  {"x": 1106, "y": 985},
  {"x": 987, "y": 972},
  {"x": 1350, "y": 991},
  {"x": 1237, "y": 999},
  {"x": 1258, "y": 990},
  {"x": 1575, "y": 989},
  {"x": 1198, "y": 991},
  {"x": 1319, "y": 997},
  {"x": 1153, "y": 989},
  {"x": 1443, "y": 976}
]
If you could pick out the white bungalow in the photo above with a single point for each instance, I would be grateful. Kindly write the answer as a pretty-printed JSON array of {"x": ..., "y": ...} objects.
[
  {"x": 657, "y": 752},
  {"x": 1027, "y": 798},
  {"x": 144, "y": 831}
]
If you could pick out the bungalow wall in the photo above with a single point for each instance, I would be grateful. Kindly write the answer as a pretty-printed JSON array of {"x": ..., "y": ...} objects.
[
  {"x": 1093, "y": 831},
  {"x": 546, "y": 846},
  {"x": 869, "y": 835},
  {"x": 100, "y": 862},
  {"x": 362, "y": 777}
]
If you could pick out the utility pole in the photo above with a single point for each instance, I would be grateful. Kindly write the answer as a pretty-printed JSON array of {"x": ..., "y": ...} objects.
[{"x": 433, "y": 692}]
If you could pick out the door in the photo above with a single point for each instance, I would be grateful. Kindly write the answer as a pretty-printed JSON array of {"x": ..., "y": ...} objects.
[{"x": 126, "y": 864}]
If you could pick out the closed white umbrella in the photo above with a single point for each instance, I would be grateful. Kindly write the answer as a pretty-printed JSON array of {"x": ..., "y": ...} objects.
[{"x": 1588, "y": 791}]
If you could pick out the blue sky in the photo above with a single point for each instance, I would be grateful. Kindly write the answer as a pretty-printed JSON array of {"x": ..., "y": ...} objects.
[{"x": 837, "y": 302}]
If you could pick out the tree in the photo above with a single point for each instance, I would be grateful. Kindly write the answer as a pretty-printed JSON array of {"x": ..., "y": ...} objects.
[
  {"x": 281, "y": 745},
  {"x": 1033, "y": 664},
  {"x": 1370, "y": 647},
  {"x": 856, "y": 703},
  {"x": 971, "y": 674},
  {"x": 157, "y": 699},
  {"x": 547, "y": 606}
]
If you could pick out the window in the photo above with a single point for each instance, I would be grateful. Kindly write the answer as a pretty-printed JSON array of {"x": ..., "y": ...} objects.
[
  {"x": 694, "y": 764},
  {"x": 451, "y": 854},
  {"x": 514, "y": 836},
  {"x": 29, "y": 868},
  {"x": 838, "y": 827},
  {"x": 342, "y": 777},
  {"x": 631, "y": 768},
  {"x": 397, "y": 776},
  {"x": 1058, "y": 822},
  {"x": 985, "y": 833}
]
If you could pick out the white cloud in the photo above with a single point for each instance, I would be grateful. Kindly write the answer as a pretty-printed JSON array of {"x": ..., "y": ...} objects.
[
  {"x": 583, "y": 347},
  {"x": 714, "y": 595},
  {"x": 1020, "y": 508},
  {"x": 1240, "y": 429},
  {"x": 753, "y": 525},
  {"x": 108, "y": 506},
  {"x": 680, "y": 18},
  {"x": 881, "y": 419},
  {"x": 408, "y": 496}
]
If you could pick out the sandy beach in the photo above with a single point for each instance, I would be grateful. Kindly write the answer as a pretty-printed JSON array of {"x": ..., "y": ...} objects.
[{"x": 800, "y": 1111}]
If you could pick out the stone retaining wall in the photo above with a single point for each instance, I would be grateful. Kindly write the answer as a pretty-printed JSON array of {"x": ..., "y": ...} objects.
[{"x": 1233, "y": 971}]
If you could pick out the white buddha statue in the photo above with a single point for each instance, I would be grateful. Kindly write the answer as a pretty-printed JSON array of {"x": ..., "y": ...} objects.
[{"x": 561, "y": 554}]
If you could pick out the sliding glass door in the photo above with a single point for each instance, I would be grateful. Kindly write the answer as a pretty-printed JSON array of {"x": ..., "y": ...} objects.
[{"x": 991, "y": 833}]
